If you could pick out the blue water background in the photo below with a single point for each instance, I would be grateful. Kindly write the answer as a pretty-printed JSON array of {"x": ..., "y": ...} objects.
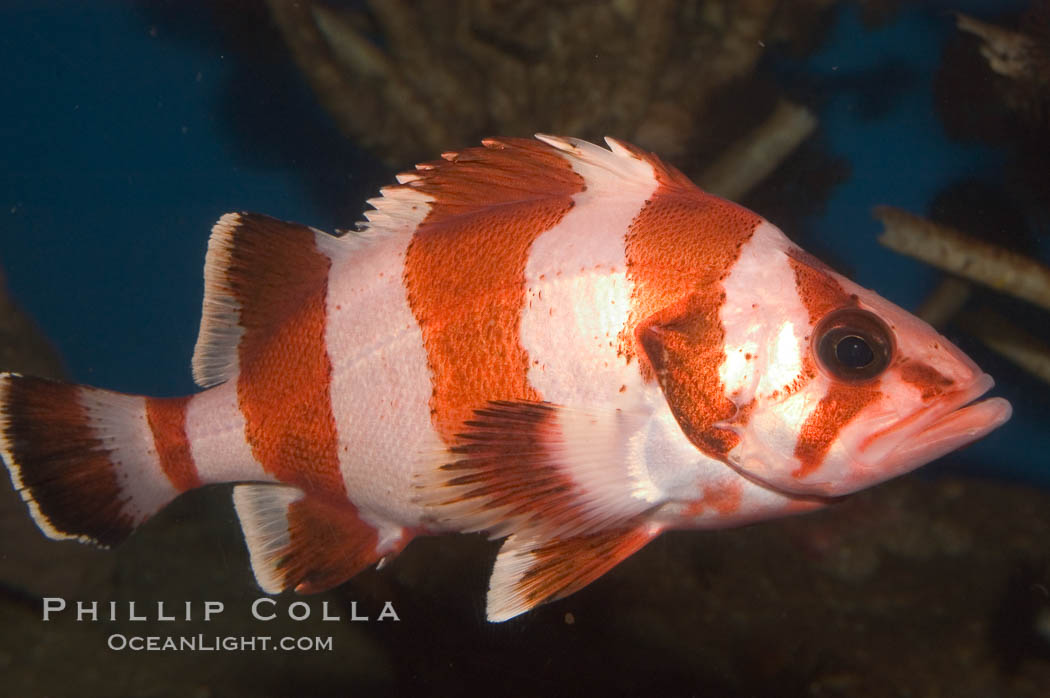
[{"x": 120, "y": 153}]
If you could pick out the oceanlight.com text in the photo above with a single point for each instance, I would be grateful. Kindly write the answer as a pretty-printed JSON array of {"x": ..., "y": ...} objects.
[{"x": 202, "y": 642}]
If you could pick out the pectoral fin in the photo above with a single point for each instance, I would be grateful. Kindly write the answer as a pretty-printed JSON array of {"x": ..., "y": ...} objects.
[{"x": 541, "y": 470}]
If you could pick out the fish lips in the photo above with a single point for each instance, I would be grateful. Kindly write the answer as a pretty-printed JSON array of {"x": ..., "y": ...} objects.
[
  {"x": 863, "y": 460},
  {"x": 956, "y": 421}
]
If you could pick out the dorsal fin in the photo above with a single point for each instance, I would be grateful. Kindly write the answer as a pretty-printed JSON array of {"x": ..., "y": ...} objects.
[
  {"x": 619, "y": 165},
  {"x": 257, "y": 271},
  {"x": 508, "y": 171},
  {"x": 502, "y": 171}
]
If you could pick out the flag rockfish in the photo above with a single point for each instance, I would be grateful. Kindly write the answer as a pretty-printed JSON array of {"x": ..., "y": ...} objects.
[{"x": 568, "y": 346}]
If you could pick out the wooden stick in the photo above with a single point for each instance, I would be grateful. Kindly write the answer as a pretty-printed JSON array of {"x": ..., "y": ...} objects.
[
  {"x": 1007, "y": 52},
  {"x": 750, "y": 160},
  {"x": 1010, "y": 341},
  {"x": 961, "y": 254},
  {"x": 945, "y": 301}
]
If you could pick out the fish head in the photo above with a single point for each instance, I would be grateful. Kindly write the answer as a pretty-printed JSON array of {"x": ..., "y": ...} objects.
[{"x": 850, "y": 390}]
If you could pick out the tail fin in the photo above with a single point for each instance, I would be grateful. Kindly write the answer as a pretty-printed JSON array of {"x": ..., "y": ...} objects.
[{"x": 90, "y": 463}]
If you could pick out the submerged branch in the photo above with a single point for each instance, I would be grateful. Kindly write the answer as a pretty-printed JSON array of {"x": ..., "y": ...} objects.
[
  {"x": 1010, "y": 341},
  {"x": 750, "y": 160},
  {"x": 966, "y": 256},
  {"x": 945, "y": 302}
]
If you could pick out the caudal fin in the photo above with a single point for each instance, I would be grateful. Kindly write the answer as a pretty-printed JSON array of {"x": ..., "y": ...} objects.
[{"x": 91, "y": 464}]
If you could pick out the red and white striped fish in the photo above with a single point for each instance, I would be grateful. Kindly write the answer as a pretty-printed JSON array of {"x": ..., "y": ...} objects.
[{"x": 570, "y": 346}]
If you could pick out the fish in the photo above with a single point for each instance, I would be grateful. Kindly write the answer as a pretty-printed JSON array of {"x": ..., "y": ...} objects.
[{"x": 570, "y": 347}]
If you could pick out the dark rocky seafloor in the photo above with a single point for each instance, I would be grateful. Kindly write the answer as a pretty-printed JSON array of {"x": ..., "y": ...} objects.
[{"x": 921, "y": 587}]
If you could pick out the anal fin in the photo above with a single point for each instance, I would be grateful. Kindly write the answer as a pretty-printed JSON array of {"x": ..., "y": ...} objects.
[
  {"x": 307, "y": 544},
  {"x": 530, "y": 571}
]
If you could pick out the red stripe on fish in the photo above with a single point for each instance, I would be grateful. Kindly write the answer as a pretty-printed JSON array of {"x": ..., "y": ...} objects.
[
  {"x": 821, "y": 293},
  {"x": 819, "y": 290},
  {"x": 722, "y": 498},
  {"x": 167, "y": 421},
  {"x": 926, "y": 378},
  {"x": 280, "y": 280},
  {"x": 678, "y": 345},
  {"x": 680, "y": 248},
  {"x": 499, "y": 199},
  {"x": 840, "y": 405}
]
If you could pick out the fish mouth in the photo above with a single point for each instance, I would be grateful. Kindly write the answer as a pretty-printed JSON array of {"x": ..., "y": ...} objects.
[{"x": 957, "y": 421}]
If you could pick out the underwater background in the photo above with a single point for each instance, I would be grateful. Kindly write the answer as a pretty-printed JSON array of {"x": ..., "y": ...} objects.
[{"x": 130, "y": 127}]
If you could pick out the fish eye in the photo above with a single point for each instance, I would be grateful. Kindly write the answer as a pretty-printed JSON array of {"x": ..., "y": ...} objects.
[{"x": 853, "y": 344}]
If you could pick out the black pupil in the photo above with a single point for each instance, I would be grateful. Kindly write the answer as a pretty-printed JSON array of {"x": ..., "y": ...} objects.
[
  {"x": 853, "y": 345},
  {"x": 854, "y": 352}
]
